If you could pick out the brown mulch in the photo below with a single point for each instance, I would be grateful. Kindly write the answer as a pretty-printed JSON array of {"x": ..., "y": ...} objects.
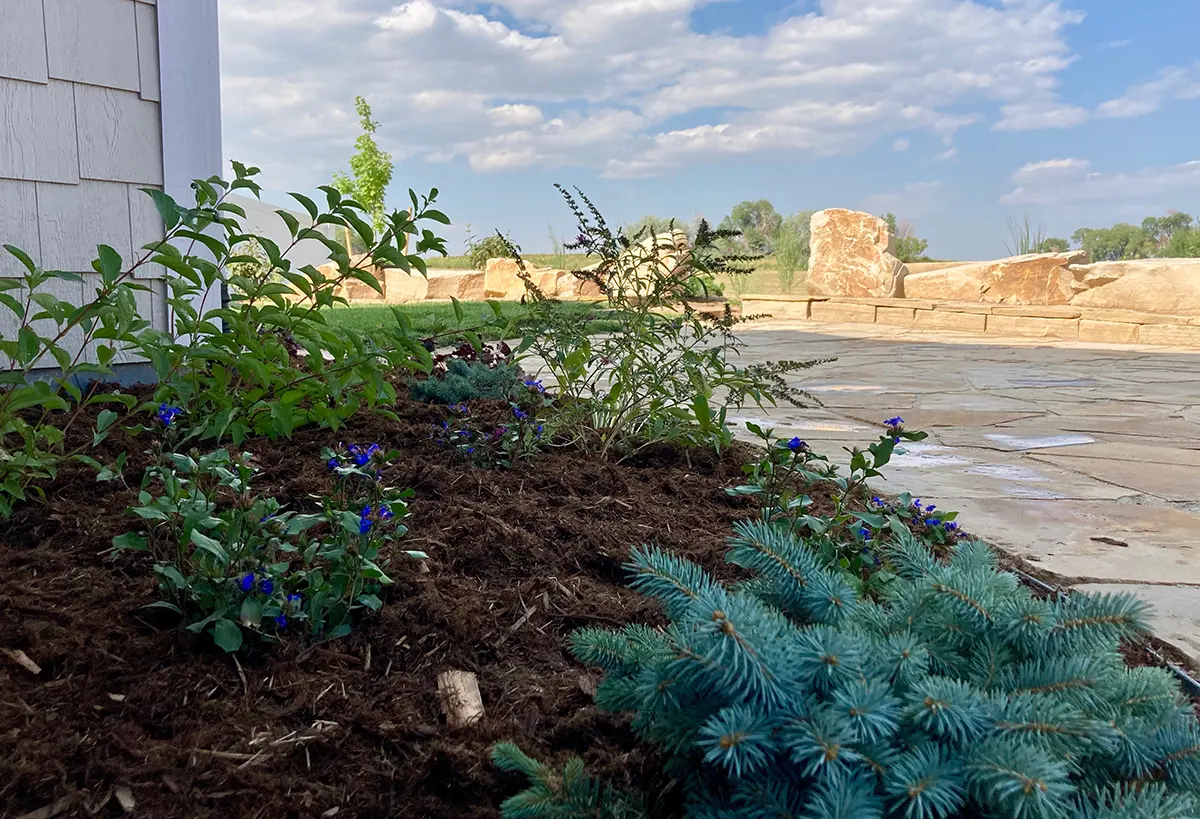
[
  {"x": 352, "y": 728},
  {"x": 519, "y": 560}
]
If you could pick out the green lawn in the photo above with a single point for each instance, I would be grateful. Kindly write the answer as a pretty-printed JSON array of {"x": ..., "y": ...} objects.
[{"x": 437, "y": 318}]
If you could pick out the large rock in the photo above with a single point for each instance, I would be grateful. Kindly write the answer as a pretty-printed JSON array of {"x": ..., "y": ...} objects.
[
  {"x": 573, "y": 286},
  {"x": 400, "y": 287},
  {"x": 502, "y": 280},
  {"x": 1170, "y": 286},
  {"x": 1038, "y": 278},
  {"x": 853, "y": 254},
  {"x": 656, "y": 255},
  {"x": 464, "y": 285}
]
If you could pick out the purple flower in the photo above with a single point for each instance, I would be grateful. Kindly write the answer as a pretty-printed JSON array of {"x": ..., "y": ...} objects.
[
  {"x": 332, "y": 464},
  {"x": 536, "y": 386},
  {"x": 167, "y": 414},
  {"x": 540, "y": 429},
  {"x": 865, "y": 533},
  {"x": 520, "y": 414},
  {"x": 364, "y": 521},
  {"x": 951, "y": 527},
  {"x": 267, "y": 586},
  {"x": 248, "y": 582},
  {"x": 796, "y": 445},
  {"x": 470, "y": 450},
  {"x": 876, "y": 501},
  {"x": 461, "y": 408},
  {"x": 385, "y": 513},
  {"x": 281, "y": 621},
  {"x": 917, "y": 504},
  {"x": 930, "y": 508},
  {"x": 294, "y": 599},
  {"x": 894, "y": 423}
]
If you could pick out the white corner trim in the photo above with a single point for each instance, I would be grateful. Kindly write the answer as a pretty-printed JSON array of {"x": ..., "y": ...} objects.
[{"x": 189, "y": 60}]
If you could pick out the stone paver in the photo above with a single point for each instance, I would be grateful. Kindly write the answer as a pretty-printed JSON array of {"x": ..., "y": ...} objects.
[{"x": 1082, "y": 458}]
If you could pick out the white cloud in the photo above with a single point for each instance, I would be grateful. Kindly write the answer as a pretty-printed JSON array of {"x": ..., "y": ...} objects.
[
  {"x": 618, "y": 75},
  {"x": 515, "y": 115},
  {"x": 1038, "y": 116},
  {"x": 1172, "y": 83},
  {"x": 1072, "y": 181},
  {"x": 900, "y": 145}
]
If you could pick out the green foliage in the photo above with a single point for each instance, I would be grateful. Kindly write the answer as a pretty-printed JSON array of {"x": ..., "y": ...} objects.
[
  {"x": 262, "y": 365},
  {"x": 751, "y": 226},
  {"x": 489, "y": 247},
  {"x": 269, "y": 362},
  {"x": 792, "y": 248},
  {"x": 37, "y": 411},
  {"x": 651, "y": 225},
  {"x": 1052, "y": 244},
  {"x": 956, "y": 693},
  {"x": 560, "y": 795},
  {"x": 908, "y": 247},
  {"x": 1024, "y": 236},
  {"x": 468, "y": 381},
  {"x": 1184, "y": 244},
  {"x": 370, "y": 170},
  {"x": 234, "y": 564},
  {"x": 1121, "y": 241},
  {"x": 643, "y": 382}
]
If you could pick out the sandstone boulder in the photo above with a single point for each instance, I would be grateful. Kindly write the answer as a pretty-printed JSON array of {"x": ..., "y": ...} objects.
[
  {"x": 1170, "y": 286},
  {"x": 464, "y": 285},
  {"x": 501, "y": 280},
  {"x": 658, "y": 254},
  {"x": 853, "y": 254},
  {"x": 571, "y": 286},
  {"x": 1038, "y": 278},
  {"x": 400, "y": 287}
]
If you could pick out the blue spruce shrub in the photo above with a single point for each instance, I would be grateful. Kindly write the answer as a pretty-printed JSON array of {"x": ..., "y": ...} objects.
[
  {"x": 468, "y": 381},
  {"x": 959, "y": 694}
]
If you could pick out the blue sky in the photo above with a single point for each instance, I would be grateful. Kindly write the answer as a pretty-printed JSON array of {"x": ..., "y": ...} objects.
[{"x": 954, "y": 114}]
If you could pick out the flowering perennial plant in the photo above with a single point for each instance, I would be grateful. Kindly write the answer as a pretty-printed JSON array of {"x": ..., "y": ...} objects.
[
  {"x": 499, "y": 445},
  {"x": 234, "y": 564},
  {"x": 783, "y": 477}
]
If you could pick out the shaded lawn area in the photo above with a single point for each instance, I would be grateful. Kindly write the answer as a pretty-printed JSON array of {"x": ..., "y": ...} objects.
[{"x": 430, "y": 319}]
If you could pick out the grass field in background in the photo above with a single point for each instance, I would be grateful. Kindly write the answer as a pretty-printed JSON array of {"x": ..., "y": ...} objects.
[{"x": 431, "y": 319}]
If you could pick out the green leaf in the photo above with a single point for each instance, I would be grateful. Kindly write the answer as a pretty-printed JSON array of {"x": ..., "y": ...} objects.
[
  {"x": 458, "y": 309},
  {"x": 108, "y": 263},
  {"x": 437, "y": 216},
  {"x": 130, "y": 541},
  {"x": 252, "y": 612},
  {"x": 227, "y": 635},
  {"x": 306, "y": 203},
  {"x": 105, "y": 420},
  {"x": 370, "y": 601},
  {"x": 22, "y": 257},
  {"x": 213, "y": 547}
]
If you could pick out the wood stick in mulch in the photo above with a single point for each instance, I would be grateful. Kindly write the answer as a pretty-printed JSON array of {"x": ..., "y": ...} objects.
[{"x": 461, "y": 700}]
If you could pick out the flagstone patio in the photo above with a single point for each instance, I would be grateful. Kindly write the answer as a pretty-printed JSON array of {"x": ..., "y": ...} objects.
[{"x": 1082, "y": 458}]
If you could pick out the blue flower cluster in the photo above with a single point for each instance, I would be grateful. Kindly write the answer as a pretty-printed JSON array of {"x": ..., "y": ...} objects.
[
  {"x": 895, "y": 426},
  {"x": 167, "y": 414},
  {"x": 367, "y": 518},
  {"x": 925, "y": 515},
  {"x": 536, "y": 386},
  {"x": 358, "y": 455},
  {"x": 796, "y": 445}
]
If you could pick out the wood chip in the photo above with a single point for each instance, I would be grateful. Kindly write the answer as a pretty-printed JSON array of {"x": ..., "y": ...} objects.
[
  {"x": 50, "y": 810},
  {"x": 22, "y": 659},
  {"x": 125, "y": 799},
  {"x": 461, "y": 701},
  {"x": 117, "y": 697}
]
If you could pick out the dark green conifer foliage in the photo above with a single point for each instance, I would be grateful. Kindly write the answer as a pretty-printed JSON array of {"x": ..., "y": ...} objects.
[{"x": 957, "y": 695}]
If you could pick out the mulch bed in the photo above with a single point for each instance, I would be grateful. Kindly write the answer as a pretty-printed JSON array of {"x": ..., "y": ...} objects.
[
  {"x": 352, "y": 728},
  {"x": 519, "y": 559}
]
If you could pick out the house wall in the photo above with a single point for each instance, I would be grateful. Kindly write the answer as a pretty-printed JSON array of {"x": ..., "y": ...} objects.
[{"x": 80, "y": 134}]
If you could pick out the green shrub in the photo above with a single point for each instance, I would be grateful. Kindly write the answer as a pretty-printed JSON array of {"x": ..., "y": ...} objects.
[
  {"x": 233, "y": 564},
  {"x": 489, "y": 247},
  {"x": 652, "y": 377},
  {"x": 956, "y": 694},
  {"x": 468, "y": 381},
  {"x": 263, "y": 364}
]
